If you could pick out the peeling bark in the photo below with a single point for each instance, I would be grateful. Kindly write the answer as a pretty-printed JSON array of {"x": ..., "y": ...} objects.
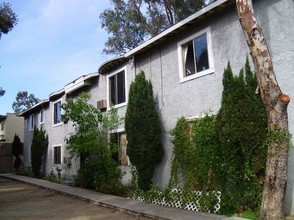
[{"x": 275, "y": 102}]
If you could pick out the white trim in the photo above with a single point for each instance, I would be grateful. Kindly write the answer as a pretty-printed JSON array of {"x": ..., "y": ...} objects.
[
  {"x": 53, "y": 104},
  {"x": 117, "y": 130},
  {"x": 108, "y": 92},
  {"x": 206, "y": 31}
]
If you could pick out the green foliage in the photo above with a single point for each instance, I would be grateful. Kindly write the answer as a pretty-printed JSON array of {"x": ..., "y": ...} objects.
[
  {"x": 8, "y": 18},
  {"x": 24, "y": 101},
  {"x": 52, "y": 177},
  {"x": 242, "y": 129},
  {"x": 194, "y": 153},
  {"x": 132, "y": 22},
  {"x": 2, "y": 92},
  {"x": 144, "y": 130},
  {"x": 181, "y": 140},
  {"x": 39, "y": 144},
  {"x": 204, "y": 153},
  {"x": 91, "y": 143},
  {"x": 226, "y": 152},
  {"x": 17, "y": 150},
  {"x": 17, "y": 146}
]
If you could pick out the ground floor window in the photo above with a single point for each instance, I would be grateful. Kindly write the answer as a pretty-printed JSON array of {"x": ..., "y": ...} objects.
[
  {"x": 120, "y": 139},
  {"x": 57, "y": 155}
]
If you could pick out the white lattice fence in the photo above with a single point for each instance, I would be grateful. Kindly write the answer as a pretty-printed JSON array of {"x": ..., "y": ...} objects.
[{"x": 194, "y": 200}]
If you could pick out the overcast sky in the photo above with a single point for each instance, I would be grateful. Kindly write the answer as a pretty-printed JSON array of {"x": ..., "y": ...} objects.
[{"x": 54, "y": 42}]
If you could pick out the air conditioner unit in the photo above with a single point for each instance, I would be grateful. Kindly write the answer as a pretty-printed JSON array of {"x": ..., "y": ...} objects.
[
  {"x": 2, "y": 137},
  {"x": 67, "y": 160},
  {"x": 102, "y": 105}
]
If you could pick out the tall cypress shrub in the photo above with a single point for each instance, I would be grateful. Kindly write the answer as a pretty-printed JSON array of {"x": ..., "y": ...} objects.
[
  {"x": 144, "y": 130},
  {"x": 241, "y": 126},
  {"x": 17, "y": 150},
  {"x": 39, "y": 144}
]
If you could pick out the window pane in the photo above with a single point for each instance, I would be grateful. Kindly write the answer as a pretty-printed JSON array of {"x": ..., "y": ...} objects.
[
  {"x": 201, "y": 53},
  {"x": 121, "y": 96},
  {"x": 189, "y": 59},
  {"x": 112, "y": 85},
  {"x": 57, "y": 112},
  {"x": 31, "y": 122},
  {"x": 42, "y": 116},
  {"x": 117, "y": 88},
  {"x": 57, "y": 155}
]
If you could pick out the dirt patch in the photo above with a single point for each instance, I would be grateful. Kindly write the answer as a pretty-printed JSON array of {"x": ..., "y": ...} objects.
[{"x": 24, "y": 201}]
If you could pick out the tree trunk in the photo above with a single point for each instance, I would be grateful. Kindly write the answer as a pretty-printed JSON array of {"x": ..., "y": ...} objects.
[{"x": 275, "y": 102}]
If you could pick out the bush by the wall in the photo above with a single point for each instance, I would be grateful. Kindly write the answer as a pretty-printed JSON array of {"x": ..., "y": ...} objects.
[
  {"x": 144, "y": 130},
  {"x": 194, "y": 154},
  {"x": 98, "y": 170},
  {"x": 226, "y": 152},
  {"x": 17, "y": 150},
  {"x": 242, "y": 129},
  {"x": 39, "y": 144}
]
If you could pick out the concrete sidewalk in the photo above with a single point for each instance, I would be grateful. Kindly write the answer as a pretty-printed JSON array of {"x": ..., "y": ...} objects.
[{"x": 120, "y": 203}]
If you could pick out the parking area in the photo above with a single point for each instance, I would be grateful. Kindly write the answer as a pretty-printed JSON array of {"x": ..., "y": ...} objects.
[{"x": 20, "y": 200}]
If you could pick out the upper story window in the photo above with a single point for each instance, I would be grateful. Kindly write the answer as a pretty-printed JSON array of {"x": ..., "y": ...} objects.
[
  {"x": 42, "y": 115},
  {"x": 195, "y": 56},
  {"x": 31, "y": 122},
  {"x": 2, "y": 126},
  {"x": 117, "y": 88},
  {"x": 57, "y": 112}
]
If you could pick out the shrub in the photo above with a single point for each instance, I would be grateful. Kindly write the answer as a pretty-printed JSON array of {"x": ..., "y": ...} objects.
[
  {"x": 226, "y": 152},
  {"x": 241, "y": 126},
  {"x": 39, "y": 144},
  {"x": 194, "y": 154},
  {"x": 90, "y": 142},
  {"x": 17, "y": 150},
  {"x": 144, "y": 130}
]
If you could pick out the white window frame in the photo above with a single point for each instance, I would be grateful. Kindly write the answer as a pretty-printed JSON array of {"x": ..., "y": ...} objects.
[
  {"x": 53, "y": 154},
  {"x": 180, "y": 44},
  {"x": 31, "y": 122},
  {"x": 53, "y": 109},
  {"x": 42, "y": 112},
  {"x": 108, "y": 88}
]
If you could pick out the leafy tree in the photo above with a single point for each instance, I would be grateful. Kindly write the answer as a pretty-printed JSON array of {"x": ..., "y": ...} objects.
[
  {"x": 90, "y": 142},
  {"x": 8, "y": 18},
  {"x": 39, "y": 144},
  {"x": 131, "y": 22},
  {"x": 144, "y": 130},
  {"x": 17, "y": 150},
  {"x": 2, "y": 92},
  {"x": 24, "y": 101}
]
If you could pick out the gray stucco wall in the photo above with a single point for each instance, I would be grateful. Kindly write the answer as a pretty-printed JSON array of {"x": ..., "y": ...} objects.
[{"x": 199, "y": 95}]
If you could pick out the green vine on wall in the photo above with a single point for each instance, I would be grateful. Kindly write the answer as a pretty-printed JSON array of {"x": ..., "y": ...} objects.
[{"x": 225, "y": 152}]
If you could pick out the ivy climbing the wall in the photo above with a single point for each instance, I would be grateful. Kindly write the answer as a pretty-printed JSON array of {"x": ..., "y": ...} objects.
[{"x": 227, "y": 151}]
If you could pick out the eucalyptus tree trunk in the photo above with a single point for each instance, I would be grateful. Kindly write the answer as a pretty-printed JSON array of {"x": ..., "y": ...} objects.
[{"x": 275, "y": 102}]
